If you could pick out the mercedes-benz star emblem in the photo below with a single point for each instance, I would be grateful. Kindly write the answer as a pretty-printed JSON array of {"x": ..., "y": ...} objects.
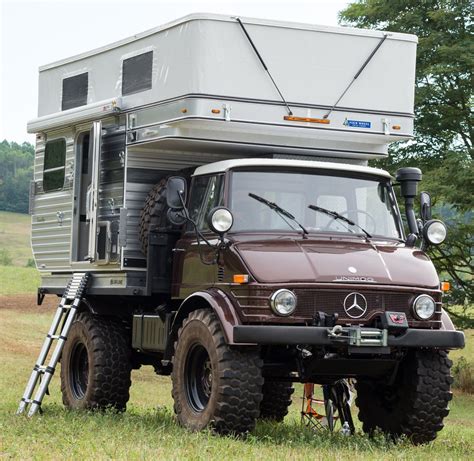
[{"x": 355, "y": 305}]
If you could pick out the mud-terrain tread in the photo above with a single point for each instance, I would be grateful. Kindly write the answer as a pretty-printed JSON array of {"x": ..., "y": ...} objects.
[
  {"x": 109, "y": 379},
  {"x": 153, "y": 212},
  {"x": 240, "y": 381},
  {"x": 276, "y": 399},
  {"x": 416, "y": 404}
]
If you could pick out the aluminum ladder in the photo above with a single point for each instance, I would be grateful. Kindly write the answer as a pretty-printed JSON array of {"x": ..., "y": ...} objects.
[{"x": 62, "y": 321}]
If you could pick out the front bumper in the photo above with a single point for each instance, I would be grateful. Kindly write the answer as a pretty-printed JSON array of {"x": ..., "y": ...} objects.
[{"x": 358, "y": 337}]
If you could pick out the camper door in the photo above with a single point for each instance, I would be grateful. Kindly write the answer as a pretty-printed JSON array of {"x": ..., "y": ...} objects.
[{"x": 88, "y": 151}]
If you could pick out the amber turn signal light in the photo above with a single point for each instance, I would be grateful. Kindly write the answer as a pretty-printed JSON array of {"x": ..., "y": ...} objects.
[
  {"x": 292, "y": 118},
  {"x": 445, "y": 286},
  {"x": 241, "y": 278}
]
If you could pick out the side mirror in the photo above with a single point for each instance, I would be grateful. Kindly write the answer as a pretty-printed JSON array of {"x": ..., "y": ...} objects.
[
  {"x": 176, "y": 217},
  {"x": 425, "y": 206},
  {"x": 176, "y": 189}
]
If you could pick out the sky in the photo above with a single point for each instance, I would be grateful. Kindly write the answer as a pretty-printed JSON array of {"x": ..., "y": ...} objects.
[{"x": 37, "y": 32}]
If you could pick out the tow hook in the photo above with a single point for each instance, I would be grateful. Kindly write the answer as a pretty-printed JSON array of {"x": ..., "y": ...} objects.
[
  {"x": 335, "y": 331},
  {"x": 304, "y": 352}
]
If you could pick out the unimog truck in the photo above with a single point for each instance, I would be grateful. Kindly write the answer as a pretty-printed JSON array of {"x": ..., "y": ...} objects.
[{"x": 202, "y": 203}]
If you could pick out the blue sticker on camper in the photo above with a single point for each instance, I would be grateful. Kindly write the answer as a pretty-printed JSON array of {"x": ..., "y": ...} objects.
[{"x": 357, "y": 123}]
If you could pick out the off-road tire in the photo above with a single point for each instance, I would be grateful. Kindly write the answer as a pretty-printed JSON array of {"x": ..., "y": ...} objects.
[
  {"x": 105, "y": 343},
  {"x": 415, "y": 404},
  {"x": 235, "y": 393},
  {"x": 153, "y": 212},
  {"x": 276, "y": 400}
]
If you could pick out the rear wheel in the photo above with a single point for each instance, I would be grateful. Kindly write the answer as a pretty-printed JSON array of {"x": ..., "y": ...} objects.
[
  {"x": 214, "y": 385},
  {"x": 95, "y": 364},
  {"x": 415, "y": 404}
]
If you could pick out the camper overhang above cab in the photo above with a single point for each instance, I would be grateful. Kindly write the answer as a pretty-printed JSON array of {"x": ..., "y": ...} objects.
[{"x": 201, "y": 82}]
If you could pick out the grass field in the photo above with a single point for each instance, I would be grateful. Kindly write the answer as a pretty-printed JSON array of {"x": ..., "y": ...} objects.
[
  {"x": 15, "y": 236},
  {"x": 148, "y": 429}
]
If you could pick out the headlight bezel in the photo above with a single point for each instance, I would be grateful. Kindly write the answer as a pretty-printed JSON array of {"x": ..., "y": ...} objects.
[
  {"x": 415, "y": 311},
  {"x": 274, "y": 299}
]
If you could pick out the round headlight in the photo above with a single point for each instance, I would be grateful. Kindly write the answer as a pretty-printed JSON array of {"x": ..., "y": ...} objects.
[
  {"x": 424, "y": 307},
  {"x": 435, "y": 231},
  {"x": 283, "y": 302},
  {"x": 220, "y": 220}
]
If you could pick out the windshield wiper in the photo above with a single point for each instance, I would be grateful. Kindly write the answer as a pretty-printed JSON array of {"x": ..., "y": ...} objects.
[
  {"x": 281, "y": 211},
  {"x": 336, "y": 215}
]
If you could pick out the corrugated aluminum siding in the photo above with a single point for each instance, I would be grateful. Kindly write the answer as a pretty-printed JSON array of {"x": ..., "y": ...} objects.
[
  {"x": 146, "y": 165},
  {"x": 50, "y": 235}
]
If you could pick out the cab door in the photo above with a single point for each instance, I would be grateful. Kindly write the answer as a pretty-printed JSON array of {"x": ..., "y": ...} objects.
[{"x": 194, "y": 267}]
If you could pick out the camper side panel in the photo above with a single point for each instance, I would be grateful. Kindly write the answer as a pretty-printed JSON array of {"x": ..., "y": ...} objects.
[{"x": 52, "y": 201}]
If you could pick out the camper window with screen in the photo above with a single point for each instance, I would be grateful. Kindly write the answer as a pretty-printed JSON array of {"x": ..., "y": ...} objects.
[
  {"x": 136, "y": 75},
  {"x": 75, "y": 91},
  {"x": 54, "y": 165}
]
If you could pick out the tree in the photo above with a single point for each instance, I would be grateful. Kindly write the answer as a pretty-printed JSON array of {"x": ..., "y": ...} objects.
[
  {"x": 16, "y": 170},
  {"x": 444, "y": 134}
]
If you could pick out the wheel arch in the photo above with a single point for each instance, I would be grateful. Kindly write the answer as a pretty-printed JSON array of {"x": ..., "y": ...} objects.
[{"x": 213, "y": 299}]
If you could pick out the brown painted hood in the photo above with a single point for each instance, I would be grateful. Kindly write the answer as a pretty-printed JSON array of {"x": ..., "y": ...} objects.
[{"x": 306, "y": 261}]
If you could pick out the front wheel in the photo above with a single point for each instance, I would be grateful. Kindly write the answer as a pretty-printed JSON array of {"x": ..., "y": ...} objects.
[
  {"x": 214, "y": 385},
  {"x": 415, "y": 404}
]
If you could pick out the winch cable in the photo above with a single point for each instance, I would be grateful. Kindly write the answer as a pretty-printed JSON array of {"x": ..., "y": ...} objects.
[
  {"x": 264, "y": 65},
  {"x": 379, "y": 44}
]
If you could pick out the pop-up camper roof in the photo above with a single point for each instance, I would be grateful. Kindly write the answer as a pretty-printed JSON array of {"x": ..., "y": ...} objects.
[{"x": 207, "y": 63}]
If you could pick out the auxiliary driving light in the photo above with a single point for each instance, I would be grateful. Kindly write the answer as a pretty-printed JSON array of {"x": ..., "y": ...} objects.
[
  {"x": 424, "y": 307},
  {"x": 283, "y": 302},
  {"x": 435, "y": 231},
  {"x": 220, "y": 220}
]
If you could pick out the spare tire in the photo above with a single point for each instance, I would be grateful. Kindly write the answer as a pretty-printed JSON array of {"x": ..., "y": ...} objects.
[{"x": 154, "y": 213}]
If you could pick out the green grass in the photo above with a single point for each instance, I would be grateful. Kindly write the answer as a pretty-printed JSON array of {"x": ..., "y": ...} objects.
[
  {"x": 15, "y": 236},
  {"x": 15, "y": 231},
  {"x": 148, "y": 429},
  {"x": 18, "y": 280}
]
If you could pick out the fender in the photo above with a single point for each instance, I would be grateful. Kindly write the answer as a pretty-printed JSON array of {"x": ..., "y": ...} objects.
[
  {"x": 219, "y": 302},
  {"x": 446, "y": 322}
]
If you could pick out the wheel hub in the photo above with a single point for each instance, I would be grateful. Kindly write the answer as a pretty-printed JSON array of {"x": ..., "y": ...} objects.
[
  {"x": 198, "y": 377},
  {"x": 79, "y": 371}
]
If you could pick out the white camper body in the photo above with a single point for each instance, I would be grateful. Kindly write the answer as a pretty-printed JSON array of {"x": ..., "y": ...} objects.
[{"x": 114, "y": 121}]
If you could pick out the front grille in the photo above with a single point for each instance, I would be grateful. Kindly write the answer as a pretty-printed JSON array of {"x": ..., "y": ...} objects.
[
  {"x": 332, "y": 302},
  {"x": 254, "y": 304}
]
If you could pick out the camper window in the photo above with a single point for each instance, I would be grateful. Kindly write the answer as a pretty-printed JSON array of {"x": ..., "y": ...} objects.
[
  {"x": 75, "y": 91},
  {"x": 136, "y": 73},
  {"x": 54, "y": 165}
]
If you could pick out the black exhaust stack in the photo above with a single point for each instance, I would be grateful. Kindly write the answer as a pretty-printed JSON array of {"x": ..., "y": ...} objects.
[{"x": 409, "y": 178}]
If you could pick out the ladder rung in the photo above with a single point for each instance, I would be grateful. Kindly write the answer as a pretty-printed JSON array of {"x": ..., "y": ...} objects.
[
  {"x": 44, "y": 369},
  {"x": 56, "y": 337}
]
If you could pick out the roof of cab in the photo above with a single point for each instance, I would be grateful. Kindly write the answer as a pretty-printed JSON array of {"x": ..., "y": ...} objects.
[{"x": 220, "y": 167}]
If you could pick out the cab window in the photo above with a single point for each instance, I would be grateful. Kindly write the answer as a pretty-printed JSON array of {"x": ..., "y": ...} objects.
[{"x": 207, "y": 193}]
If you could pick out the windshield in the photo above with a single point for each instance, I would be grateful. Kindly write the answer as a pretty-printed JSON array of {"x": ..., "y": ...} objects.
[{"x": 368, "y": 203}]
